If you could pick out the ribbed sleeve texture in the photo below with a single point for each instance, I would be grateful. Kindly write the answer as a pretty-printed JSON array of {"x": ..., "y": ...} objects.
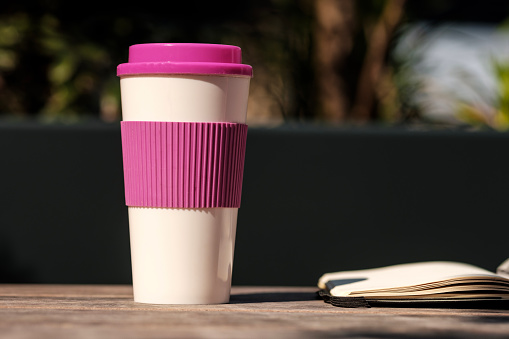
[{"x": 183, "y": 164}]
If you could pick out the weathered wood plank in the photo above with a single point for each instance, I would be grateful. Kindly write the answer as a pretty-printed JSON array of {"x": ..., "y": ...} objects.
[{"x": 65, "y": 311}]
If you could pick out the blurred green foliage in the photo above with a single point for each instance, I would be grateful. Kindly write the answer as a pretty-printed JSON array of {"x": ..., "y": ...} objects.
[
  {"x": 46, "y": 71},
  {"x": 502, "y": 76},
  {"x": 58, "y": 59},
  {"x": 495, "y": 116}
]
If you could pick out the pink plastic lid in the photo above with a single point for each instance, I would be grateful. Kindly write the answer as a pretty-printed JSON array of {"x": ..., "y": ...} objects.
[{"x": 163, "y": 58}]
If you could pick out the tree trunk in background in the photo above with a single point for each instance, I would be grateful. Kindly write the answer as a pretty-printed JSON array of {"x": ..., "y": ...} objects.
[
  {"x": 374, "y": 61},
  {"x": 333, "y": 38}
]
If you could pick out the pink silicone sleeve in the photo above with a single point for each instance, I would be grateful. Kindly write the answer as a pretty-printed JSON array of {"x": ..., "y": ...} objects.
[{"x": 183, "y": 164}]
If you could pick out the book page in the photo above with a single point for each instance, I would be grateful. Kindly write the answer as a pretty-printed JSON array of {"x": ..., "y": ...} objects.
[{"x": 343, "y": 283}]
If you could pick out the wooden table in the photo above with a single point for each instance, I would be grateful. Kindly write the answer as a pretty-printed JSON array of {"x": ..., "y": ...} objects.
[{"x": 98, "y": 311}]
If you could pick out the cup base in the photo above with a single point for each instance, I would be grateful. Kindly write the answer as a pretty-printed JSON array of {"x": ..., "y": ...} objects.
[
  {"x": 185, "y": 301},
  {"x": 182, "y": 256}
]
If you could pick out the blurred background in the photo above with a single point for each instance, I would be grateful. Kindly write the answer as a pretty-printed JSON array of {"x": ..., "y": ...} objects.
[
  {"x": 377, "y": 133},
  {"x": 438, "y": 63}
]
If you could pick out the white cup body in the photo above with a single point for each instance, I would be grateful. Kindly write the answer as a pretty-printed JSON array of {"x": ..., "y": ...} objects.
[
  {"x": 184, "y": 98},
  {"x": 183, "y": 255}
]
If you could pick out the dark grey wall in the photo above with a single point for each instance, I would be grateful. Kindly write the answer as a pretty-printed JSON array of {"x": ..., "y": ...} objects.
[
  {"x": 62, "y": 217},
  {"x": 314, "y": 200}
]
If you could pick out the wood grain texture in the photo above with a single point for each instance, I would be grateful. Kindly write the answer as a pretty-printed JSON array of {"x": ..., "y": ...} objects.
[{"x": 99, "y": 311}]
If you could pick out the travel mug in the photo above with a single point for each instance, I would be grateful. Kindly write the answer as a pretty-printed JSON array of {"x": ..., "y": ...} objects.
[{"x": 183, "y": 142}]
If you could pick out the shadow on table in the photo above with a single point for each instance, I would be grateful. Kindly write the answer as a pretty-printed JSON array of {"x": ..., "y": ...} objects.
[{"x": 266, "y": 297}]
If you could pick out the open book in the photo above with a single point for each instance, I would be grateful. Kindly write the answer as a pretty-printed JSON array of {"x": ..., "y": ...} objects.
[{"x": 427, "y": 283}]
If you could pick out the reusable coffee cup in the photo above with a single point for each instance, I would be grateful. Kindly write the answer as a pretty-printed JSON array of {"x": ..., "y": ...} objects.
[{"x": 183, "y": 143}]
